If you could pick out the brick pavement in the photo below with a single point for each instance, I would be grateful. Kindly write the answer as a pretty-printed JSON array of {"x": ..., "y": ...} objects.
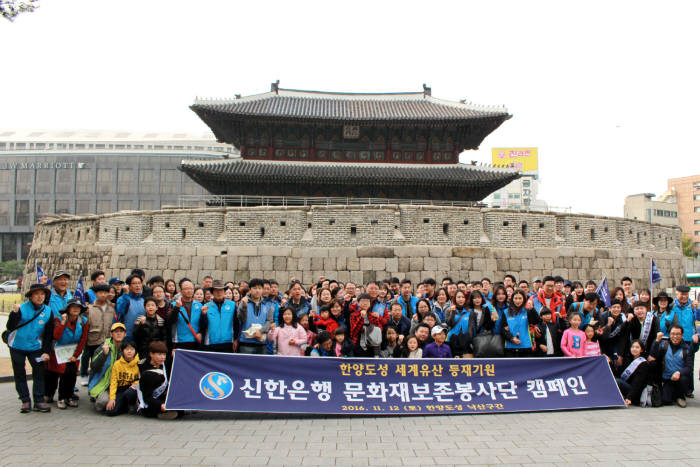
[{"x": 616, "y": 437}]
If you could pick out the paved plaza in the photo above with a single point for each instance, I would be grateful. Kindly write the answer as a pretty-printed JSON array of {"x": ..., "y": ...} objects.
[{"x": 615, "y": 437}]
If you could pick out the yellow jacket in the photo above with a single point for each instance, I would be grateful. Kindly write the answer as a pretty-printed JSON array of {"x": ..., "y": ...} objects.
[{"x": 124, "y": 374}]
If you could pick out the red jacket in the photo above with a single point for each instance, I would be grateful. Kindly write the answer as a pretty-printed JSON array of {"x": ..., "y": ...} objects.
[
  {"x": 557, "y": 304},
  {"x": 328, "y": 324},
  {"x": 357, "y": 324},
  {"x": 58, "y": 329}
]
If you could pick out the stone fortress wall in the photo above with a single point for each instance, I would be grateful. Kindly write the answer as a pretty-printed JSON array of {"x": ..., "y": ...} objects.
[{"x": 358, "y": 243}]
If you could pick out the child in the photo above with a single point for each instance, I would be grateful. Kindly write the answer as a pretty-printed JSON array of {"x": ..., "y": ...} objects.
[
  {"x": 290, "y": 337},
  {"x": 592, "y": 348},
  {"x": 324, "y": 348},
  {"x": 549, "y": 342},
  {"x": 124, "y": 381},
  {"x": 365, "y": 329},
  {"x": 149, "y": 327},
  {"x": 391, "y": 342},
  {"x": 438, "y": 349},
  {"x": 343, "y": 346},
  {"x": 153, "y": 384},
  {"x": 310, "y": 332},
  {"x": 411, "y": 348},
  {"x": 324, "y": 321},
  {"x": 573, "y": 341}
]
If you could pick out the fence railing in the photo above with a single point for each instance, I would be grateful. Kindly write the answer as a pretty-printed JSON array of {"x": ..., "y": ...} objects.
[{"x": 246, "y": 200}]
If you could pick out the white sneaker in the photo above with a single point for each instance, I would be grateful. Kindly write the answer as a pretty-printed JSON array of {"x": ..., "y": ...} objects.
[{"x": 83, "y": 380}]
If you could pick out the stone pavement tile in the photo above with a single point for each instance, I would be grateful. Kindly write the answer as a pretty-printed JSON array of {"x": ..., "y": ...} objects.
[
  {"x": 86, "y": 459},
  {"x": 315, "y": 460},
  {"x": 349, "y": 461},
  {"x": 284, "y": 460},
  {"x": 417, "y": 460},
  {"x": 185, "y": 460},
  {"x": 124, "y": 459},
  {"x": 385, "y": 461},
  {"x": 153, "y": 460},
  {"x": 222, "y": 461},
  {"x": 450, "y": 459},
  {"x": 483, "y": 459}
]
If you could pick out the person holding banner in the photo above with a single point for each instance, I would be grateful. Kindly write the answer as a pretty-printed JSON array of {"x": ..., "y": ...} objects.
[
  {"x": 634, "y": 373},
  {"x": 29, "y": 337},
  {"x": 676, "y": 362},
  {"x": 70, "y": 334},
  {"x": 59, "y": 293},
  {"x": 187, "y": 320}
]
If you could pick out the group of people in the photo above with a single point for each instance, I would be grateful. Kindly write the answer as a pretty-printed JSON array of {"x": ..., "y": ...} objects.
[{"x": 121, "y": 341}]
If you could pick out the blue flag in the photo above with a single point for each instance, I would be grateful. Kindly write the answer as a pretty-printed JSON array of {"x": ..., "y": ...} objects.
[
  {"x": 80, "y": 290},
  {"x": 654, "y": 274},
  {"x": 40, "y": 273},
  {"x": 604, "y": 292}
]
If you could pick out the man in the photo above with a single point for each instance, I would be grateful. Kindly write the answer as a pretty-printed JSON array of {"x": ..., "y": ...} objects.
[
  {"x": 97, "y": 278},
  {"x": 267, "y": 289},
  {"x": 550, "y": 298},
  {"x": 613, "y": 339},
  {"x": 676, "y": 363},
  {"x": 153, "y": 384},
  {"x": 377, "y": 308},
  {"x": 587, "y": 310},
  {"x": 187, "y": 319},
  {"x": 275, "y": 294},
  {"x": 130, "y": 305},
  {"x": 223, "y": 326},
  {"x": 463, "y": 286},
  {"x": 30, "y": 328},
  {"x": 559, "y": 284},
  {"x": 206, "y": 282},
  {"x": 628, "y": 288},
  {"x": 643, "y": 325},
  {"x": 59, "y": 293},
  {"x": 445, "y": 281},
  {"x": 525, "y": 287},
  {"x": 102, "y": 363},
  {"x": 395, "y": 285},
  {"x": 509, "y": 280},
  {"x": 536, "y": 285},
  {"x": 429, "y": 290},
  {"x": 156, "y": 280},
  {"x": 255, "y": 318},
  {"x": 297, "y": 301},
  {"x": 685, "y": 313},
  {"x": 399, "y": 321},
  {"x": 146, "y": 291},
  {"x": 101, "y": 314},
  {"x": 406, "y": 299},
  {"x": 422, "y": 333}
]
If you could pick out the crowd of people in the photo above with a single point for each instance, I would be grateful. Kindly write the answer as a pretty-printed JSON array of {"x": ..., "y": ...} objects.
[{"x": 122, "y": 339}]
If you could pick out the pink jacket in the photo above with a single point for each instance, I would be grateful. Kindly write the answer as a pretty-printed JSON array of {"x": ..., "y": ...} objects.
[
  {"x": 573, "y": 343},
  {"x": 284, "y": 334},
  {"x": 592, "y": 349}
]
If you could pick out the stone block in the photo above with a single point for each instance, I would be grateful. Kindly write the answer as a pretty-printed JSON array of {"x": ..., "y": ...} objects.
[
  {"x": 520, "y": 253},
  {"x": 502, "y": 264},
  {"x": 378, "y": 264},
  {"x": 292, "y": 263},
  {"x": 439, "y": 251},
  {"x": 304, "y": 263},
  {"x": 231, "y": 262},
  {"x": 243, "y": 250},
  {"x": 242, "y": 276},
  {"x": 348, "y": 252},
  {"x": 317, "y": 263},
  {"x": 368, "y": 276},
  {"x": 501, "y": 253},
  {"x": 466, "y": 264},
  {"x": 220, "y": 263},
  {"x": 443, "y": 264},
  {"x": 356, "y": 277},
  {"x": 584, "y": 252},
  {"x": 405, "y": 264},
  {"x": 410, "y": 251},
  {"x": 210, "y": 250},
  {"x": 455, "y": 264},
  {"x": 195, "y": 263},
  {"x": 415, "y": 264},
  {"x": 279, "y": 263},
  {"x": 266, "y": 262},
  {"x": 162, "y": 263},
  {"x": 467, "y": 252},
  {"x": 566, "y": 251},
  {"x": 548, "y": 263},
  {"x": 600, "y": 253},
  {"x": 491, "y": 265},
  {"x": 343, "y": 276},
  {"x": 365, "y": 264},
  {"x": 516, "y": 265},
  {"x": 558, "y": 262},
  {"x": 185, "y": 262},
  {"x": 479, "y": 264},
  {"x": 274, "y": 250},
  {"x": 375, "y": 252},
  {"x": 429, "y": 263},
  {"x": 208, "y": 262},
  {"x": 330, "y": 264},
  {"x": 228, "y": 276},
  {"x": 142, "y": 262},
  {"x": 314, "y": 252},
  {"x": 341, "y": 263},
  {"x": 243, "y": 262},
  {"x": 392, "y": 265},
  {"x": 353, "y": 264},
  {"x": 545, "y": 253},
  {"x": 131, "y": 262}
]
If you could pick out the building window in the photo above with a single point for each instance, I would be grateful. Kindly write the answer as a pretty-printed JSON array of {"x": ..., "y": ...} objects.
[
  {"x": 168, "y": 181},
  {"x": 64, "y": 182},
  {"x": 697, "y": 208},
  {"x": 125, "y": 205},
  {"x": 83, "y": 182},
  {"x": 83, "y": 206},
  {"x": 105, "y": 181},
  {"x": 9, "y": 247},
  {"x": 62, "y": 206},
  {"x": 43, "y": 181},
  {"x": 697, "y": 221},
  {"x": 5, "y": 181},
  {"x": 147, "y": 205},
  {"x": 125, "y": 181},
  {"x": 696, "y": 197},
  {"x": 24, "y": 181},
  {"x": 41, "y": 207},
  {"x": 147, "y": 181},
  {"x": 526, "y": 183},
  {"x": 104, "y": 206},
  {"x": 496, "y": 196},
  {"x": 191, "y": 188},
  {"x": 22, "y": 212},
  {"x": 4, "y": 212}
]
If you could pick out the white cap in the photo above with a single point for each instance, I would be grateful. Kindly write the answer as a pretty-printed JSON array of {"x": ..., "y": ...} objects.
[{"x": 437, "y": 329}]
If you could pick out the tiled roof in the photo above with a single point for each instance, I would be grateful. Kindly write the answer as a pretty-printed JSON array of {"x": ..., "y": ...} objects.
[
  {"x": 314, "y": 105},
  {"x": 223, "y": 177}
]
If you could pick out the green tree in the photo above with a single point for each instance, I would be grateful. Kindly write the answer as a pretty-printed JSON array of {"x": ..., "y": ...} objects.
[
  {"x": 12, "y": 269},
  {"x": 687, "y": 245},
  {"x": 9, "y": 9}
]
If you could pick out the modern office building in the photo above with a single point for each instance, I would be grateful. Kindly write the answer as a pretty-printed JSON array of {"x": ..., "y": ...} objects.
[
  {"x": 644, "y": 207},
  {"x": 687, "y": 193},
  {"x": 81, "y": 172}
]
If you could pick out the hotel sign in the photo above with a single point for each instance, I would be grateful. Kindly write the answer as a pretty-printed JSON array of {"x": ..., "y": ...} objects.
[{"x": 41, "y": 165}]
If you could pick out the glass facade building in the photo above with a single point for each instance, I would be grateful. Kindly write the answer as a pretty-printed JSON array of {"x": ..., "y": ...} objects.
[{"x": 74, "y": 172}]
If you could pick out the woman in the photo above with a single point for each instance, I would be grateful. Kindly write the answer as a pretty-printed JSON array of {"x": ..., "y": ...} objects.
[
  {"x": 645, "y": 296},
  {"x": 618, "y": 293},
  {"x": 422, "y": 309},
  {"x": 228, "y": 294},
  {"x": 236, "y": 294},
  {"x": 634, "y": 374},
  {"x": 466, "y": 321},
  {"x": 500, "y": 305},
  {"x": 112, "y": 295},
  {"x": 198, "y": 295},
  {"x": 69, "y": 333},
  {"x": 290, "y": 337},
  {"x": 323, "y": 298},
  {"x": 576, "y": 294},
  {"x": 441, "y": 304},
  {"x": 170, "y": 289},
  {"x": 161, "y": 301},
  {"x": 516, "y": 326}
]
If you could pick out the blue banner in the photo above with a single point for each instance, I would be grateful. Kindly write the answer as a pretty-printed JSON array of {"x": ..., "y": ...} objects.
[
  {"x": 603, "y": 292},
  {"x": 654, "y": 274},
  {"x": 277, "y": 384}
]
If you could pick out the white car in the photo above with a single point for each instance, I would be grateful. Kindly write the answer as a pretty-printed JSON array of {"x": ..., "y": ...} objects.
[{"x": 8, "y": 286}]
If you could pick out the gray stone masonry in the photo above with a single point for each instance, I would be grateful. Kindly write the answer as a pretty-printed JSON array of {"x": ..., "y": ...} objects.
[{"x": 356, "y": 243}]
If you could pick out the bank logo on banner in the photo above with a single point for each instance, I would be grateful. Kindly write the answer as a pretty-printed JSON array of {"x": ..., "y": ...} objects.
[{"x": 216, "y": 386}]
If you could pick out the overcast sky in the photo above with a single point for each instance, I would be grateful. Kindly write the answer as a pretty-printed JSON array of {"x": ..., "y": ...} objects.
[{"x": 608, "y": 91}]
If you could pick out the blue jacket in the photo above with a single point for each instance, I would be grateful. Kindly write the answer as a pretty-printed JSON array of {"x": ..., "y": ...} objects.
[
  {"x": 302, "y": 308},
  {"x": 91, "y": 297},
  {"x": 58, "y": 304},
  {"x": 403, "y": 327},
  {"x": 129, "y": 308},
  {"x": 37, "y": 335},
  {"x": 223, "y": 325},
  {"x": 73, "y": 337},
  {"x": 501, "y": 309},
  {"x": 262, "y": 314},
  {"x": 180, "y": 332},
  {"x": 413, "y": 304},
  {"x": 685, "y": 316}
]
